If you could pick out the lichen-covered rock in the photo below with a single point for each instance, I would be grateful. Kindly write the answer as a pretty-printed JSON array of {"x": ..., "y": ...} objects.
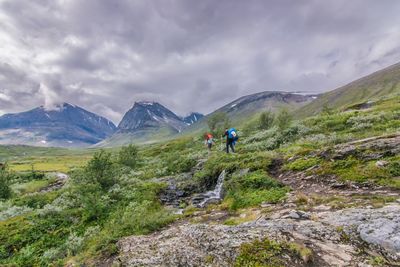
[
  {"x": 379, "y": 227},
  {"x": 368, "y": 149},
  {"x": 188, "y": 244}
]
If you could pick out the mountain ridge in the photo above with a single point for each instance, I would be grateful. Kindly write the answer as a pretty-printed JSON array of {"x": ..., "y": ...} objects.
[
  {"x": 371, "y": 87},
  {"x": 65, "y": 125}
]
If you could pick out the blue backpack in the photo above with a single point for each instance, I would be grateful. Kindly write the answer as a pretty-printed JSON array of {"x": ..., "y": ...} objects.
[{"x": 232, "y": 134}]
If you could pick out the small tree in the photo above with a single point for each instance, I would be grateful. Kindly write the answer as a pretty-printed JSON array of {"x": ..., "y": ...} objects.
[
  {"x": 99, "y": 168},
  {"x": 266, "y": 120},
  {"x": 326, "y": 110},
  {"x": 217, "y": 122},
  {"x": 5, "y": 190},
  {"x": 128, "y": 156},
  {"x": 283, "y": 119}
]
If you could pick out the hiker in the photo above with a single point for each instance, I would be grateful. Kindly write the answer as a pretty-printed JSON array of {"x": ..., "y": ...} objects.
[
  {"x": 231, "y": 138},
  {"x": 209, "y": 140}
]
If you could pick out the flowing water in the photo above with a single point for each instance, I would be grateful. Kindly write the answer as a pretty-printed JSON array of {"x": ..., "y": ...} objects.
[{"x": 214, "y": 195}]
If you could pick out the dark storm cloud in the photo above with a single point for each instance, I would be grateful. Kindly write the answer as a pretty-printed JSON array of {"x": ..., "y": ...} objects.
[{"x": 189, "y": 55}]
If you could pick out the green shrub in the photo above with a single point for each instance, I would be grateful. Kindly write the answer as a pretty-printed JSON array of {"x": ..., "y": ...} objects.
[
  {"x": 283, "y": 119},
  {"x": 394, "y": 168},
  {"x": 302, "y": 164},
  {"x": 128, "y": 156},
  {"x": 100, "y": 169},
  {"x": 255, "y": 180},
  {"x": 218, "y": 122},
  {"x": 249, "y": 198},
  {"x": 31, "y": 176},
  {"x": 266, "y": 120},
  {"x": 177, "y": 163},
  {"x": 35, "y": 200},
  {"x": 271, "y": 253},
  {"x": 5, "y": 190}
]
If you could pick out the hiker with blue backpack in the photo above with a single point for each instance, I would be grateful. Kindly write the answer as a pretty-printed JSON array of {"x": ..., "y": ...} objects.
[{"x": 231, "y": 138}]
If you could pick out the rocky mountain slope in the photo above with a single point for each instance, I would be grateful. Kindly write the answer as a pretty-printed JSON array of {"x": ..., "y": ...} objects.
[
  {"x": 147, "y": 122},
  {"x": 192, "y": 118},
  {"x": 244, "y": 108},
  {"x": 385, "y": 82},
  {"x": 248, "y": 105},
  {"x": 66, "y": 125}
]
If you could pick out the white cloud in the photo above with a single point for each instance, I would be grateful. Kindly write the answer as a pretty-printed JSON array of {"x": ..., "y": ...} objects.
[
  {"x": 190, "y": 55},
  {"x": 51, "y": 99}
]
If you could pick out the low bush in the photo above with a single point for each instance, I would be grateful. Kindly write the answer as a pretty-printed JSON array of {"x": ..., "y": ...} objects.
[
  {"x": 5, "y": 190},
  {"x": 302, "y": 164},
  {"x": 252, "y": 189},
  {"x": 128, "y": 156}
]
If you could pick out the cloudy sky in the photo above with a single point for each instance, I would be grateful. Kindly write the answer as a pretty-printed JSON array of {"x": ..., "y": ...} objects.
[{"x": 190, "y": 55}]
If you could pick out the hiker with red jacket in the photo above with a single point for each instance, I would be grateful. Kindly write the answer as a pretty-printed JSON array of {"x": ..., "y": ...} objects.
[
  {"x": 231, "y": 138},
  {"x": 209, "y": 140}
]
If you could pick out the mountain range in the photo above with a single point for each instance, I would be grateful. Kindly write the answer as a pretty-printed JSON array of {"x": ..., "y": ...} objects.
[
  {"x": 68, "y": 125},
  {"x": 65, "y": 125},
  {"x": 146, "y": 121}
]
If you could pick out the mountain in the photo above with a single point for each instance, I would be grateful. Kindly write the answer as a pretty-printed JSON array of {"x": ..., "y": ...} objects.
[
  {"x": 146, "y": 121},
  {"x": 384, "y": 82},
  {"x": 192, "y": 118},
  {"x": 66, "y": 125},
  {"x": 249, "y": 105},
  {"x": 246, "y": 107}
]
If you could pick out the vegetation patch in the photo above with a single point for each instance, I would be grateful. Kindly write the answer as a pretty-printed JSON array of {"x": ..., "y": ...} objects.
[
  {"x": 302, "y": 164},
  {"x": 253, "y": 189},
  {"x": 271, "y": 253}
]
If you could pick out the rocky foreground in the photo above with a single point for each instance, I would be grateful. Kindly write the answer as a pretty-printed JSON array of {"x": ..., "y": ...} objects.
[{"x": 348, "y": 237}]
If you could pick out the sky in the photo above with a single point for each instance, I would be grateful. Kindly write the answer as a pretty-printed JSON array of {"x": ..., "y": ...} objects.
[{"x": 189, "y": 55}]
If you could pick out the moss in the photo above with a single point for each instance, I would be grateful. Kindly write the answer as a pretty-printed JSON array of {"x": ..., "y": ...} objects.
[
  {"x": 302, "y": 164},
  {"x": 245, "y": 216},
  {"x": 301, "y": 199},
  {"x": 378, "y": 261},
  {"x": 344, "y": 236},
  {"x": 252, "y": 189},
  {"x": 250, "y": 198},
  {"x": 209, "y": 259},
  {"x": 271, "y": 253}
]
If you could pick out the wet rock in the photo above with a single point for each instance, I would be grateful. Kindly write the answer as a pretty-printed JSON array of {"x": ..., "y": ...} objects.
[
  {"x": 381, "y": 163},
  {"x": 298, "y": 215},
  {"x": 339, "y": 185},
  {"x": 61, "y": 179},
  {"x": 266, "y": 205},
  {"x": 210, "y": 197},
  {"x": 244, "y": 172}
]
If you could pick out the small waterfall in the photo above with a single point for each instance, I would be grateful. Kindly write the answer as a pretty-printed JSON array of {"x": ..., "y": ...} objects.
[{"x": 214, "y": 195}]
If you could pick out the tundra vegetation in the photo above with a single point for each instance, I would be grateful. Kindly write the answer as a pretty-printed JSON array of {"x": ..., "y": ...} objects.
[{"x": 115, "y": 193}]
